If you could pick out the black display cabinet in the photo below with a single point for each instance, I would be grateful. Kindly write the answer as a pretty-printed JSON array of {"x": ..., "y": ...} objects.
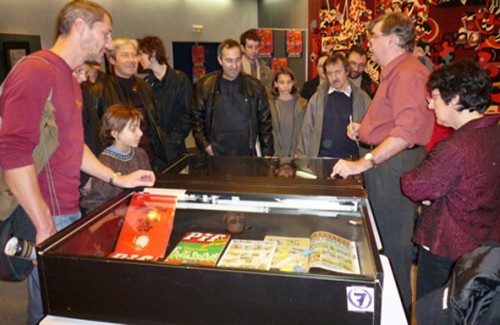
[{"x": 79, "y": 281}]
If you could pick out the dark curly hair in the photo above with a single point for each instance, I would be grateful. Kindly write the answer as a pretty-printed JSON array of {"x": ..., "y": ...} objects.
[
  {"x": 250, "y": 34},
  {"x": 466, "y": 79}
]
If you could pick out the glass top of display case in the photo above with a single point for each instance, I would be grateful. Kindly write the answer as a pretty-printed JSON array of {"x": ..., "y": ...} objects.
[
  {"x": 265, "y": 170},
  {"x": 242, "y": 216}
]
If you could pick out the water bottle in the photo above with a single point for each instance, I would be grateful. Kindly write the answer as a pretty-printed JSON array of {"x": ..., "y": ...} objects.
[{"x": 20, "y": 248}]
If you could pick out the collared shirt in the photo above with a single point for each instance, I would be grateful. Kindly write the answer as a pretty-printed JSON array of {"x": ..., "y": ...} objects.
[
  {"x": 461, "y": 177},
  {"x": 347, "y": 91},
  {"x": 399, "y": 108}
]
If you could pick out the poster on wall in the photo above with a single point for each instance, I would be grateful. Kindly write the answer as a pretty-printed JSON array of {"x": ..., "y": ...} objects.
[
  {"x": 15, "y": 51},
  {"x": 198, "y": 54},
  {"x": 293, "y": 43},
  {"x": 199, "y": 72},
  {"x": 277, "y": 63},
  {"x": 198, "y": 58},
  {"x": 267, "y": 45}
]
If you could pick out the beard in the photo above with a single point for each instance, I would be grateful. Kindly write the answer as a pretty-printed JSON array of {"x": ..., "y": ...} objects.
[
  {"x": 94, "y": 58},
  {"x": 92, "y": 52},
  {"x": 355, "y": 76}
]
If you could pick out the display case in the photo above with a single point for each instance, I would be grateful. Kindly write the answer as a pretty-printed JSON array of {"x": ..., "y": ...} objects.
[{"x": 80, "y": 280}]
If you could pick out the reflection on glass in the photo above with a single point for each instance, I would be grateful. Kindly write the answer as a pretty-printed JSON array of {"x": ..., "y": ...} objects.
[
  {"x": 286, "y": 170},
  {"x": 282, "y": 167},
  {"x": 235, "y": 222}
]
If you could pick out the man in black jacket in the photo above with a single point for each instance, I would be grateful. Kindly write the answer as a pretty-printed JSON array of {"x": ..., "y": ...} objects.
[
  {"x": 172, "y": 91},
  {"x": 472, "y": 293},
  {"x": 230, "y": 113},
  {"x": 123, "y": 87}
]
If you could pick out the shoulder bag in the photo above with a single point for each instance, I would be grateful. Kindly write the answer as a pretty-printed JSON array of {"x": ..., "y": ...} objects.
[{"x": 15, "y": 220}]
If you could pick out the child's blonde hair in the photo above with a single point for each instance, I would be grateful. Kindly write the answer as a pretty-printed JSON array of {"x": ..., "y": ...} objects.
[{"x": 116, "y": 118}]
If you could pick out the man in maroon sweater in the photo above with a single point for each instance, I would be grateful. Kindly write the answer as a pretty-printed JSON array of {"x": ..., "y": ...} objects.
[{"x": 83, "y": 34}]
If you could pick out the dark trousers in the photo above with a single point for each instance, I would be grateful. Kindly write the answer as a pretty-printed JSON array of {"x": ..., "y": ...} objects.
[
  {"x": 395, "y": 214},
  {"x": 433, "y": 272}
]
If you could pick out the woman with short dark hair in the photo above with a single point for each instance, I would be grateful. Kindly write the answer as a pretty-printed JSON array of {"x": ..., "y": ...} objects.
[{"x": 460, "y": 178}]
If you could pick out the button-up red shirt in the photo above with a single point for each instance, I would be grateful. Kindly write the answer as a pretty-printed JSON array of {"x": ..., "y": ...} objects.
[{"x": 399, "y": 108}]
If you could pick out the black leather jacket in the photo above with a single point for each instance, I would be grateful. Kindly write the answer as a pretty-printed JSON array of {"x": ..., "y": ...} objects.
[
  {"x": 173, "y": 95},
  {"x": 205, "y": 96},
  {"x": 107, "y": 92},
  {"x": 472, "y": 293}
]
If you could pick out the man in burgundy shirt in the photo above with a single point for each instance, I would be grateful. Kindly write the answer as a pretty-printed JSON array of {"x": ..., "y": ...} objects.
[
  {"x": 459, "y": 178},
  {"x": 393, "y": 135},
  {"x": 83, "y": 34}
]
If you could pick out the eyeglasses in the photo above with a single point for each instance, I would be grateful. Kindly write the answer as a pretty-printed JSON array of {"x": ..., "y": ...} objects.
[
  {"x": 357, "y": 65},
  {"x": 432, "y": 97},
  {"x": 374, "y": 36}
]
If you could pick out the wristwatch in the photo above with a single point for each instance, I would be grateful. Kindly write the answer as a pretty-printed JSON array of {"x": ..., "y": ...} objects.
[
  {"x": 113, "y": 176},
  {"x": 370, "y": 158}
]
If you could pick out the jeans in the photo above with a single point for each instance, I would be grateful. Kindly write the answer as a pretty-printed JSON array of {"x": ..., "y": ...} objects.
[{"x": 35, "y": 306}]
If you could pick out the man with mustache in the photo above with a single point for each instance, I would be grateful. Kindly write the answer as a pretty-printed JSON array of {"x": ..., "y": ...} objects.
[{"x": 330, "y": 110}]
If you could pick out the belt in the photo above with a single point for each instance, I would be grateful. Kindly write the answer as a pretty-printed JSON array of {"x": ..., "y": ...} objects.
[
  {"x": 366, "y": 146},
  {"x": 372, "y": 146}
]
